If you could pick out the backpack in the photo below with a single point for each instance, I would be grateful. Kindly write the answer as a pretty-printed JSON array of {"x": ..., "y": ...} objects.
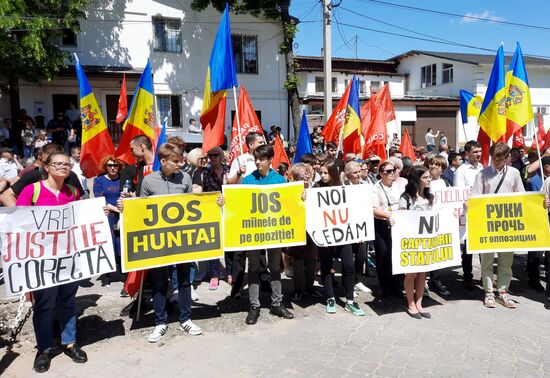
[{"x": 36, "y": 192}]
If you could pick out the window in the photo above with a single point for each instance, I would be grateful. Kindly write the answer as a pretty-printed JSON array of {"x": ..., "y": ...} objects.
[
  {"x": 374, "y": 87},
  {"x": 169, "y": 106},
  {"x": 447, "y": 73},
  {"x": 346, "y": 83},
  {"x": 362, "y": 87},
  {"x": 428, "y": 76},
  {"x": 245, "y": 52},
  {"x": 319, "y": 84},
  {"x": 167, "y": 35},
  {"x": 334, "y": 85},
  {"x": 66, "y": 39},
  {"x": 317, "y": 108}
]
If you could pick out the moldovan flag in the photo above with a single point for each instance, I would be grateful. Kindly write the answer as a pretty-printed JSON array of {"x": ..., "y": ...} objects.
[
  {"x": 303, "y": 146},
  {"x": 331, "y": 131},
  {"x": 280, "y": 155},
  {"x": 406, "y": 146},
  {"x": 249, "y": 123},
  {"x": 141, "y": 119},
  {"x": 161, "y": 139},
  {"x": 122, "y": 110},
  {"x": 541, "y": 136},
  {"x": 470, "y": 105},
  {"x": 492, "y": 118},
  {"x": 519, "y": 111},
  {"x": 96, "y": 140},
  {"x": 220, "y": 76},
  {"x": 351, "y": 138}
]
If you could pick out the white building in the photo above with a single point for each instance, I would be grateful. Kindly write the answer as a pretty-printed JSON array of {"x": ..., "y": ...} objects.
[
  {"x": 445, "y": 74},
  {"x": 119, "y": 36}
]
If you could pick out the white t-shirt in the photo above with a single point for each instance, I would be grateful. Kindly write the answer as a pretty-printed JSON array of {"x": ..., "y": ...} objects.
[
  {"x": 430, "y": 139},
  {"x": 386, "y": 198},
  {"x": 247, "y": 160},
  {"x": 466, "y": 174},
  {"x": 8, "y": 169}
]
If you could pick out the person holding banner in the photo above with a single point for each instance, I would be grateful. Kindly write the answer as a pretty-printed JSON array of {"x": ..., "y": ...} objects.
[
  {"x": 546, "y": 190},
  {"x": 386, "y": 199},
  {"x": 416, "y": 197},
  {"x": 497, "y": 178},
  {"x": 330, "y": 176},
  {"x": 265, "y": 175},
  {"x": 170, "y": 180},
  {"x": 353, "y": 177},
  {"x": 51, "y": 192}
]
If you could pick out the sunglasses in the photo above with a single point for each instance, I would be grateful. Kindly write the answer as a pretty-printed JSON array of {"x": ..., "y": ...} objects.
[
  {"x": 388, "y": 171},
  {"x": 112, "y": 165}
]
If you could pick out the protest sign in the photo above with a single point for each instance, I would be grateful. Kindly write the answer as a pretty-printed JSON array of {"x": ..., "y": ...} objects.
[
  {"x": 423, "y": 241},
  {"x": 263, "y": 216},
  {"x": 339, "y": 215},
  {"x": 511, "y": 222},
  {"x": 170, "y": 229},
  {"x": 453, "y": 197},
  {"x": 45, "y": 246}
]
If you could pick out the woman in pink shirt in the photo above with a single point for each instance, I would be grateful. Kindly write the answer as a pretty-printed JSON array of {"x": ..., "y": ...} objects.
[{"x": 51, "y": 192}]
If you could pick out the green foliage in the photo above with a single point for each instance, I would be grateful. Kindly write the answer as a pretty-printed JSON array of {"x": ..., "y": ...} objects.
[
  {"x": 265, "y": 8},
  {"x": 292, "y": 82},
  {"x": 28, "y": 30}
]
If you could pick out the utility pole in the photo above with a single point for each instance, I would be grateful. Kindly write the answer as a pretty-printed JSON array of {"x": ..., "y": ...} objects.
[{"x": 327, "y": 58}]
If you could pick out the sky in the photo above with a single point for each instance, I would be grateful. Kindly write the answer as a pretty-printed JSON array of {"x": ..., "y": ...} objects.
[{"x": 351, "y": 17}]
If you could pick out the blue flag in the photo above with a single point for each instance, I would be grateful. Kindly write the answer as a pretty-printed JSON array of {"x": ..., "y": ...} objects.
[
  {"x": 161, "y": 141},
  {"x": 303, "y": 146}
]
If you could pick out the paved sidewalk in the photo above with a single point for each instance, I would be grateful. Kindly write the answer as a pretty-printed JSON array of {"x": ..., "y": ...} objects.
[{"x": 463, "y": 339}]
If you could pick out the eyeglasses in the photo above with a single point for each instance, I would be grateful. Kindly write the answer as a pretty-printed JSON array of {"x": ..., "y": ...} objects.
[
  {"x": 59, "y": 164},
  {"x": 388, "y": 171},
  {"x": 112, "y": 165}
]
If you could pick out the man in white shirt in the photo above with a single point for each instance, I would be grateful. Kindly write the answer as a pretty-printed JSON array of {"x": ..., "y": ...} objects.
[
  {"x": 9, "y": 165},
  {"x": 430, "y": 139},
  {"x": 497, "y": 178},
  {"x": 75, "y": 160},
  {"x": 193, "y": 128},
  {"x": 465, "y": 175}
]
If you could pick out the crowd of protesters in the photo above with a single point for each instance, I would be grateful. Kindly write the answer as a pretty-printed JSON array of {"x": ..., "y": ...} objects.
[{"x": 396, "y": 183}]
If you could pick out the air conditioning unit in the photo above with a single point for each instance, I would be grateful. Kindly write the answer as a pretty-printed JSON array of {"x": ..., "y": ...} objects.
[{"x": 543, "y": 109}]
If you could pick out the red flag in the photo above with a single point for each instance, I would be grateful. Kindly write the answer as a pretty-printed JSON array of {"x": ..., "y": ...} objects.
[
  {"x": 122, "y": 111},
  {"x": 406, "y": 146},
  {"x": 485, "y": 142},
  {"x": 383, "y": 98},
  {"x": 541, "y": 135},
  {"x": 375, "y": 134},
  {"x": 331, "y": 131},
  {"x": 213, "y": 122},
  {"x": 249, "y": 123},
  {"x": 519, "y": 140},
  {"x": 280, "y": 153}
]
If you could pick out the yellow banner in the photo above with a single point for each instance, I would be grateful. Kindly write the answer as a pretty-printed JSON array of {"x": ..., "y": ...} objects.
[
  {"x": 170, "y": 229},
  {"x": 507, "y": 223},
  {"x": 263, "y": 216}
]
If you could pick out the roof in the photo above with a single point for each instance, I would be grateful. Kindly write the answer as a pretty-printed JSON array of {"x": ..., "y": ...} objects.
[
  {"x": 476, "y": 59},
  {"x": 348, "y": 65}
]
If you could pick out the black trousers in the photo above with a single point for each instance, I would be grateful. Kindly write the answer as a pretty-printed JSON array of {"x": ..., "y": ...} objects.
[
  {"x": 534, "y": 260},
  {"x": 466, "y": 264},
  {"x": 327, "y": 255},
  {"x": 239, "y": 265},
  {"x": 383, "y": 250}
]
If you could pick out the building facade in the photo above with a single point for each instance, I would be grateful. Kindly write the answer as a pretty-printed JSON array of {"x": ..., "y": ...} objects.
[{"x": 120, "y": 36}]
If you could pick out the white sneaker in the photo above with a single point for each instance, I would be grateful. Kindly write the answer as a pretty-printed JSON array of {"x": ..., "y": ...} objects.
[
  {"x": 194, "y": 295},
  {"x": 157, "y": 333},
  {"x": 361, "y": 287},
  {"x": 355, "y": 295},
  {"x": 191, "y": 328}
]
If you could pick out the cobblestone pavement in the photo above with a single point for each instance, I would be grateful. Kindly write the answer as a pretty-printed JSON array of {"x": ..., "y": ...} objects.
[{"x": 463, "y": 338}]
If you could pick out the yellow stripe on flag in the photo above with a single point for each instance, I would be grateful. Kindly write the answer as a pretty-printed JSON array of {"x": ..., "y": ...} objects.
[
  {"x": 493, "y": 119},
  {"x": 143, "y": 113},
  {"x": 92, "y": 120}
]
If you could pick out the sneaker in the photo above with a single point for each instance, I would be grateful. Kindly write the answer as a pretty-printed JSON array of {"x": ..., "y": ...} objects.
[
  {"x": 355, "y": 295},
  {"x": 194, "y": 295},
  {"x": 157, "y": 333},
  {"x": 505, "y": 300},
  {"x": 214, "y": 282},
  {"x": 42, "y": 362},
  {"x": 281, "y": 312},
  {"x": 331, "y": 306},
  {"x": 489, "y": 300},
  {"x": 253, "y": 315},
  {"x": 439, "y": 288},
  {"x": 191, "y": 328},
  {"x": 362, "y": 288},
  {"x": 354, "y": 309},
  {"x": 288, "y": 272},
  {"x": 123, "y": 294}
]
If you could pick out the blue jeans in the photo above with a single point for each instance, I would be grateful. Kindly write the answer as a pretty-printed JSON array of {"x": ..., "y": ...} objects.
[
  {"x": 45, "y": 302},
  {"x": 215, "y": 268},
  {"x": 159, "y": 280},
  {"x": 430, "y": 147}
]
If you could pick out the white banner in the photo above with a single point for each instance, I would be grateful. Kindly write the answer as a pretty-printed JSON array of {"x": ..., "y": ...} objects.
[
  {"x": 423, "y": 241},
  {"x": 339, "y": 215},
  {"x": 454, "y": 197},
  {"x": 45, "y": 246}
]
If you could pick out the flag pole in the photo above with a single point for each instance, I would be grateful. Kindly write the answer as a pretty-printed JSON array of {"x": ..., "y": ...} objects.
[
  {"x": 139, "y": 298},
  {"x": 538, "y": 149},
  {"x": 238, "y": 122}
]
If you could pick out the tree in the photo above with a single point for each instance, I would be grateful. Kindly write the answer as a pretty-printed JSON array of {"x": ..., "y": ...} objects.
[
  {"x": 28, "y": 32},
  {"x": 275, "y": 10}
]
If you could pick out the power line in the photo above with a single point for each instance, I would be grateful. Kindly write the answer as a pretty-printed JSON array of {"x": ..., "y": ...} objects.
[{"x": 461, "y": 16}]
